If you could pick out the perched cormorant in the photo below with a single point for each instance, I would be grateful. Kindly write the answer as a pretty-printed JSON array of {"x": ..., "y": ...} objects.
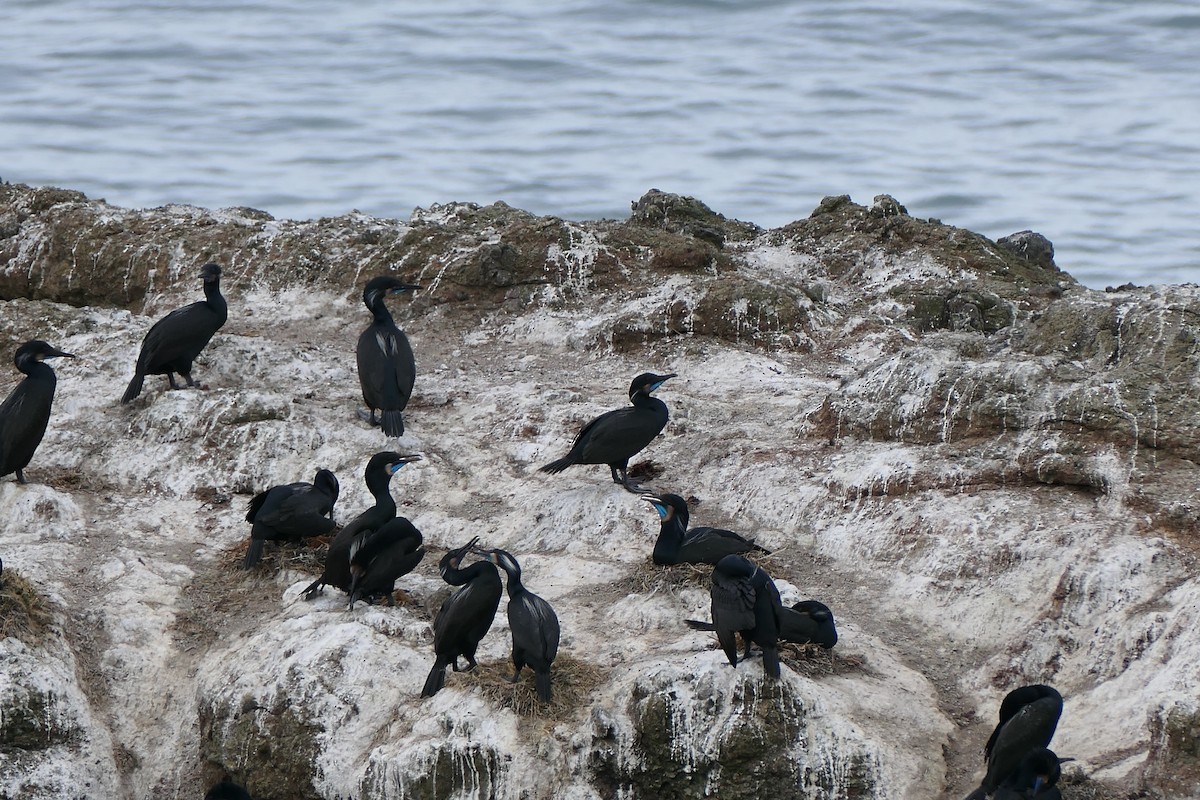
[
  {"x": 1037, "y": 777},
  {"x": 745, "y": 601},
  {"x": 227, "y": 790},
  {"x": 678, "y": 545},
  {"x": 377, "y": 475},
  {"x": 383, "y": 556},
  {"x": 291, "y": 513},
  {"x": 618, "y": 435},
  {"x": 1028, "y": 718},
  {"x": 24, "y": 415},
  {"x": 386, "y": 367},
  {"x": 465, "y": 617},
  {"x": 172, "y": 343},
  {"x": 533, "y": 623},
  {"x": 806, "y": 622}
]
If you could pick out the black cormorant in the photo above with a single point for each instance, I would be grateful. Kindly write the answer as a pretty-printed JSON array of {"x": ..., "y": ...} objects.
[
  {"x": 618, "y": 435},
  {"x": 533, "y": 623},
  {"x": 172, "y": 343},
  {"x": 377, "y": 475},
  {"x": 227, "y": 790},
  {"x": 24, "y": 415},
  {"x": 291, "y": 513},
  {"x": 745, "y": 601},
  {"x": 1037, "y": 777},
  {"x": 386, "y": 367},
  {"x": 678, "y": 545},
  {"x": 383, "y": 556},
  {"x": 806, "y": 622},
  {"x": 1028, "y": 718},
  {"x": 465, "y": 617}
]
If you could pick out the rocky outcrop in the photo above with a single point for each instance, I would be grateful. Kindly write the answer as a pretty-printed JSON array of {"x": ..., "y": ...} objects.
[{"x": 987, "y": 470}]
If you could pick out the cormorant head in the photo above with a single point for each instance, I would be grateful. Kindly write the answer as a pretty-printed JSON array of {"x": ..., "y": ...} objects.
[
  {"x": 327, "y": 483},
  {"x": 502, "y": 559},
  {"x": 735, "y": 566},
  {"x": 669, "y": 506},
  {"x": 210, "y": 272},
  {"x": 378, "y": 288},
  {"x": 388, "y": 462},
  {"x": 36, "y": 350},
  {"x": 454, "y": 558},
  {"x": 647, "y": 382}
]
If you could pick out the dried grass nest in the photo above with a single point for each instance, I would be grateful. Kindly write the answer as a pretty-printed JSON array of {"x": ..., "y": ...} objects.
[
  {"x": 573, "y": 681},
  {"x": 307, "y": 556},
  {"x": 23, "y": 612}
]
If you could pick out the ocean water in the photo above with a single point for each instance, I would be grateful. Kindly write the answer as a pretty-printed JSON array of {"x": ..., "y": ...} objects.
[{"x": 1077, "y": 118}]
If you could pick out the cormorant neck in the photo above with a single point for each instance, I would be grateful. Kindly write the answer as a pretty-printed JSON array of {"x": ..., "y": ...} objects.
[
  {"x": 212, "y": 293},
  {"x": 458, "y": 576},
  {"x": 380, "y": 311},
  {"x": 379, "y": 487},
  {"x": 644, "y": 400},
  {"x": 515, "y": 587},
  {"x": 39, "y": 370}
]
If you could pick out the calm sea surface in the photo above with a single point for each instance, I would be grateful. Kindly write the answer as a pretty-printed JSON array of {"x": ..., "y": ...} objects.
[{"x": 1077, "y": 119}]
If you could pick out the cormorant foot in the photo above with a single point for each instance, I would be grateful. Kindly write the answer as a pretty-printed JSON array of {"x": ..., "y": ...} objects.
[
  {"x": 367, "y": 418},
  {"x": 634, "y": 487},
  {"x": 21, "y": 476},
  {"x": 516, "y": 676},
  {"x": 471, "y": 664}
]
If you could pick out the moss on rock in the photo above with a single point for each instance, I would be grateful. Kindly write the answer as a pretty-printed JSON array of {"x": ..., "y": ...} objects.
[{"x": 271, "y": 750}]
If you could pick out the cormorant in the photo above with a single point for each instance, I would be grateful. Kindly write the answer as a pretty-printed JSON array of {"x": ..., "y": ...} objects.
[
  {"x": 678, "y": 545},
  {"x": 227, "y": 790},
  {"x": 24, "y": 415},
  {"x": 386, "y": 367},
  {"x": 465, "y": 617},
  {"x": 618, "y": 435},
  {"x": 291, "y": 513},
  {"x": 383, "y": 556},
  {"x": 377, "y": 475},
  {"x": 1037, "y": 777},
  {"x": 1028, "y": 718},
  {"x": 745, "y": 601},
  {"x": 172, "y": 343},
  {"x": 533, "y": 623},
  {"x": 806, "y": 622}
]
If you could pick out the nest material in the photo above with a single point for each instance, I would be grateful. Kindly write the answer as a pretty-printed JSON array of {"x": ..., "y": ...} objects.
[
  {"x": 23, "y": 612},
  {"x": 307, "y": 556},
  {"x": 572, "y": 682}
]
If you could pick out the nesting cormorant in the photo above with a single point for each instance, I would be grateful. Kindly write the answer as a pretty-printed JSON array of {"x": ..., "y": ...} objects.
[
  {"x": 533, "y": 623},
  {"x": 25, "y": 412},
  {"x": 383, "y": 556},
  {"x": 386, "y": 367},
  {"x": 678, "y": 545},
  {"x": 172, "y": 343},
  {"x": 1037, "y": 777},
  {"x": 227, "y": 790},
  {"x": 464, "y": 617},
  {"x": 745, "y": 601},
  {"x": 1028, "y": 718},
  {"x": 618, "y": 435},
  {"x": 806, "y": 622},
  {"x": 377, "y": 475},
  {"x": 291, "y": 513}
]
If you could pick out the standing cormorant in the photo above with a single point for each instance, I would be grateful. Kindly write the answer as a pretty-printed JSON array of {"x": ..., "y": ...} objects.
[
  {"x": 806, "y": 622},
  {"x": 745, "y": 601},
  {"x": 465, "y": 617},
  {"x": 1037, "y": 777},
  {"x": 533, "y": 623},
  {"x": 377, "y": 475},
  {"x": 386, "y": 367},
  {"x": 227, "y": 790},
  {"x": 1028, "y": 718},
  {"x": 618, "y": 435},
  {"x": 24, "y": 415},
  {"x": 172, "y": 343},
  {"x": 383, "y": 556},
  {"x": 291, "y": 513},
  {"x": 678, "y": 545}
]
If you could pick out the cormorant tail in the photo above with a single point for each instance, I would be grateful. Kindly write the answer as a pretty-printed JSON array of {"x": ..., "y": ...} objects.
[
  {"x": 760, "y": 548},
  {"x": 771, "y": 662},
  {"x": 135, "y": 388},
  {"x": 978, "y": 794},
  {"x": 313, "y": 588},
  {"x": 393, "y": 423},
  {"x": 542, "y": 681},
  {"x": 435, "y": 681},
  {"x": 555, "y": 467},
  {"x": 699, "y": 625},
  {"x": 253, "y": 553}
]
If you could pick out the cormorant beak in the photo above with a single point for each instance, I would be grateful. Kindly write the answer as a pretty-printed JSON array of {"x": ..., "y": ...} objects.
[
  {"x": 396, "y": 466},
  {"x": 662, "y": 379},
  {"x": 468, "y": 547},
  {"x": 1038, "y": 783},
  {"x": 58, "y": 354},
  {"x": 659, "y": 506},
  {"x": 408, "y": 287}
]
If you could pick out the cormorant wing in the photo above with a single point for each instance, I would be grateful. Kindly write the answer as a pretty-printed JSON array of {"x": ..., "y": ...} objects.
[
  {"x": 175, "y": 335},
  {"x": 381, "y": 351},
  {"x": 534, "y": 627},
  {"x": 616, "y": 434},
  {"x": 301, "y": 513}
]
